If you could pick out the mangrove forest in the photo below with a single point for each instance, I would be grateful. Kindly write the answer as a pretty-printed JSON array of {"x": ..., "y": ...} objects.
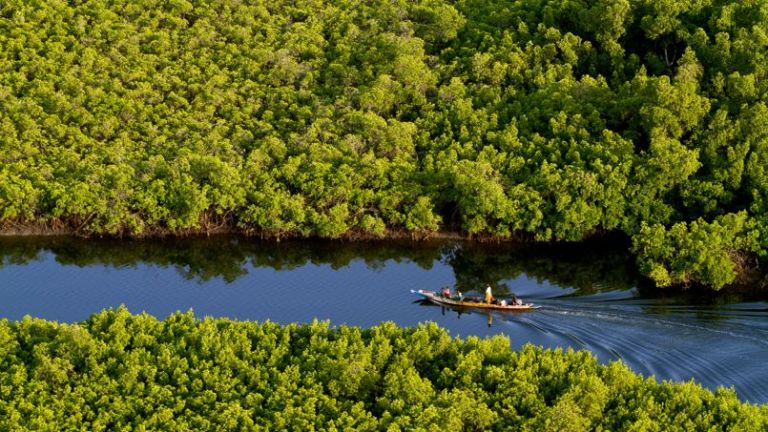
[
  {"x": 546, "y": 120},
  {"x": 117, "y": 371}
]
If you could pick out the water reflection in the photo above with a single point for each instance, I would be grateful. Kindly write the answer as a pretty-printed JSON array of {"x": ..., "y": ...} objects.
[
  {"x": 572, "y": 270},
  {"x": 584, "y": 268},
  {"x": 596, "y": 271},
  {"x": 587, "y": 268},
  {"x": 218, "y": 257}
]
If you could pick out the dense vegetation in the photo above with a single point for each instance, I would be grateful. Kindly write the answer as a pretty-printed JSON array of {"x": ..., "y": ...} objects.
[
  {"x": 116, "y": 371},
  {"x": 555, "y": 119}
]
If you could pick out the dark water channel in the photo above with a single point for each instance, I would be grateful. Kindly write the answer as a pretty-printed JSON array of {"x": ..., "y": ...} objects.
[{"x": 590, "y": 297}]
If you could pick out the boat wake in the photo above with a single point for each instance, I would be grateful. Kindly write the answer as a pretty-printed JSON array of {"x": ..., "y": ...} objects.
[{"x": 676, "y": 346}]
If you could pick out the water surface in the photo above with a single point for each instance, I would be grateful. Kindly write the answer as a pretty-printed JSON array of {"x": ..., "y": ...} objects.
[{"x": 590, "y": 296}]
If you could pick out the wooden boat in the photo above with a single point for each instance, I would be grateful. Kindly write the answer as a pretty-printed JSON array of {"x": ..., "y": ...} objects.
[{"x": 436, "y": 298}]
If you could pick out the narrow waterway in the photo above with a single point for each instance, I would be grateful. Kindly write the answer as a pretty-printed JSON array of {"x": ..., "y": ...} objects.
[{"x": 590, "y": 297}]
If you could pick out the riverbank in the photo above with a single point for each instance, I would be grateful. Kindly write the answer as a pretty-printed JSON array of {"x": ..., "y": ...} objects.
[
  {"x": 750, "y": 276},
  {"x": 75, "y": 228}
]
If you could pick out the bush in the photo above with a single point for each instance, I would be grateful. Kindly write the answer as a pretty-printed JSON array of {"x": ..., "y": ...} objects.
[{"x": 117, "y": 371}]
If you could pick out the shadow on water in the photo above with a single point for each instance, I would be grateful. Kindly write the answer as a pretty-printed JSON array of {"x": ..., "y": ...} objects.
[
  {"x": 587, "y": 268},
  {"x": 217, "y": 257},
  {"x": 583, "y": 269}
]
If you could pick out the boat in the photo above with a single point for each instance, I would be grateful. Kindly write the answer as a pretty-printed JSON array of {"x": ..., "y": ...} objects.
[{"x": 436, "y": 298}]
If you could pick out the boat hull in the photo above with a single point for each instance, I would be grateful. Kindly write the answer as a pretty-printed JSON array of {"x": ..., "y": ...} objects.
[{"x": 442, "y": 301}]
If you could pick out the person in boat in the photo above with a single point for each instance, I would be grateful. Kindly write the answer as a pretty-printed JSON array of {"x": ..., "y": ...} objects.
[
  {"x": 517, "y": 301},
  {"x": 446, "y": 292},
  {"x": 488, "y": 295}
]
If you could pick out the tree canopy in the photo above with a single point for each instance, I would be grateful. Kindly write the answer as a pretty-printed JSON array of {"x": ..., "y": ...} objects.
[
  {"x": 555, "y": 119},
  {"x": 117, "y": 371}
]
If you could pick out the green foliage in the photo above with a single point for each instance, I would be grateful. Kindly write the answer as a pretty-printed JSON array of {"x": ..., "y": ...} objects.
[
  {"x": 118, "y": 371},
  {"x": 549, "y": 119},
  {"x": 699, "y": 251}
]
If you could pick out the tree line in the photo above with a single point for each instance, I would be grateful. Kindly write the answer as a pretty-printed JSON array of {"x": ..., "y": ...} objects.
[
  {"x": 552, "y": 119},
  {"x": 117, "y": 371}
]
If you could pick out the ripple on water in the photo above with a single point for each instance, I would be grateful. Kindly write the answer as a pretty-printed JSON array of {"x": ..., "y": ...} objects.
[{"x": 672, "y": 347}]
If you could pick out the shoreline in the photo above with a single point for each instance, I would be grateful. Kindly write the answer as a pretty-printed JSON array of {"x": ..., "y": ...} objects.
[
  {"x": 73, "y": 229},
  {"x": 12, "y": 229},
  {"x": 748, "y": 278}
]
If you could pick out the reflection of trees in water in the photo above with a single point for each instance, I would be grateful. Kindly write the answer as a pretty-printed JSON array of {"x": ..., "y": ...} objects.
[
  {"x": 224, "y": 257},
  {"x": 193, "y": 258},
  {"x": 587, "y": 267},
  {"x": 19, "y": 251}
]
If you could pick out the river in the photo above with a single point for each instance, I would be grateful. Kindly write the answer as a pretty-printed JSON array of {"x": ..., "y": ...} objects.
[{"x": 590, "y": 297}]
